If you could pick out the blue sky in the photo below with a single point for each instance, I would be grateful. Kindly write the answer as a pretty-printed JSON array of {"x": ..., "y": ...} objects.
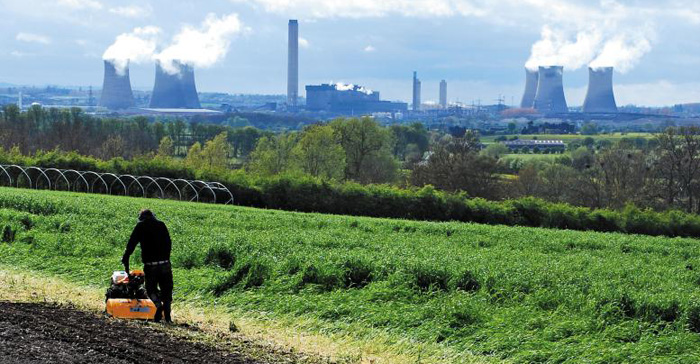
[{"x": 480, "y": 47}]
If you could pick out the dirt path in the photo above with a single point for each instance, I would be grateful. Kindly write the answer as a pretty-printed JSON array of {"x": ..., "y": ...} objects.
[{"x": 41, "y": 333}]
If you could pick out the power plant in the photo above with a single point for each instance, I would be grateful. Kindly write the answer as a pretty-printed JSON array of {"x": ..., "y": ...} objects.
[
  {"x": 116, "y": 88},
  {"x": 175, "y": 91},
  {"x": 416, "y": 92},
  {"x": 550, "y": 98},
  {"x": 349, "y": 99},
  {"x": 531, "y": 78},
  {"x": 443, "y": 94},
  {"x": 600, "y": 97},
  {"x": 293, "y": 64}
]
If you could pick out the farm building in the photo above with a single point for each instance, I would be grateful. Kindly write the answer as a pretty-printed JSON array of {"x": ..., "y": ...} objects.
[{"x": 551, "y": 145}]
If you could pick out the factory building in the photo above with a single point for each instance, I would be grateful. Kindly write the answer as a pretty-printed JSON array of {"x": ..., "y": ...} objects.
[
  {"x": 550, "y": 97},
  {"x": 116, "y": 88},
  {"x": 443, "y": 94},
  {"x": 293, "y": 64},
  {"x": 600, "y": 97},
  {"x": 416, "y": 92},
  {"x": 175, "y": 91},
  {"x": 348, "y": 99}
]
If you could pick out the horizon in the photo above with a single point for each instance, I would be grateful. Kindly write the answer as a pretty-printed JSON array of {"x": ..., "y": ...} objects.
[{"x": 479, "y": 49}]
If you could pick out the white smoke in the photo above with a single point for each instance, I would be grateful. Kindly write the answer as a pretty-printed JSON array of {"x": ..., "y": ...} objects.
[
  {"x": 200, "y": 47},
  {"x": 557, "y": 49},
  {"x": 137, "y": 46},
  {"x": 622, "y": 52}
]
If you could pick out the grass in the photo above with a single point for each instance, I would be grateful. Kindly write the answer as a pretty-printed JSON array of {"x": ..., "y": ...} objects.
[{"x": 444, "y": 292}]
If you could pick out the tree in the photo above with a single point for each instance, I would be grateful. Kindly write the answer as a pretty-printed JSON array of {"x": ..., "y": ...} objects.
[
  {"x": 215, "y": 152},
  {"x": 496, "y": 150},
  {"x": 589, "y": 129},
  {"x": 113, "y": 147},
  {"x": 194, "y": 156},
  {"x": 318, "y": 154},
  {"x": 362, "y": 139},
  {"x": 273, "y": 155},
  {"x": 166, "y": 148}
]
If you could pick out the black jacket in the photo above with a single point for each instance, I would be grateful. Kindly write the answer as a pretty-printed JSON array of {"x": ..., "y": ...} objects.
[{"x": 154, "y": 238}]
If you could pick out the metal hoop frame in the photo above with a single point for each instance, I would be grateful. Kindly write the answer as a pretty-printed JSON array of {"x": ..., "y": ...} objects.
[{"x": 73, "y": 180}]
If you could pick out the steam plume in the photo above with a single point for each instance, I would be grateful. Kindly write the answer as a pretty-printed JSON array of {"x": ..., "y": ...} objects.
[
  {"x": 137, "y": 46},
  {"x": 200, "y": 47}
]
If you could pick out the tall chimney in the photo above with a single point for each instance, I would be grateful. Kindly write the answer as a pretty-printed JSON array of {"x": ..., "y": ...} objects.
[
  {"x": 443, "y": 94},
  {"x": 550, "y": 97},
  {"x": 293, "y": 64},
  {"x": 116, "y": 89},
  {"x": 600, "y": 97},
  {"x": 175, "y": 91},
  {"x": 531, "y": 78},
  {"x": 416, "y": 92}
]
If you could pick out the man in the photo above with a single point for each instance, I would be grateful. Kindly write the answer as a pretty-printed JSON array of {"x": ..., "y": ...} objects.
[{"x": 155, "y": 242}]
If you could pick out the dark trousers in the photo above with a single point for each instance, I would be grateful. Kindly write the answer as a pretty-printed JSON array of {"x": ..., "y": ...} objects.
[{"x": 159, "y": 283}]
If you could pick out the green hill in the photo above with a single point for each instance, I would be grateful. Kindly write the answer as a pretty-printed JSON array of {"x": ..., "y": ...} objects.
[{"x": 494, "y": 292}]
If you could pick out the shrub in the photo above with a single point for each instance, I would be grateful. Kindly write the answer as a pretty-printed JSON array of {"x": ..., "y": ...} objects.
[
  {"x": 694, "y": 318},
  {"x": 8, "y": 234},
  {"x": 427, "y": 278},
  {"x": 358, "y": 272}
]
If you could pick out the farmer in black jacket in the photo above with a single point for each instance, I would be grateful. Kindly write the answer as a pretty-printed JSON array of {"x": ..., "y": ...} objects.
[{"x": 155, "y": 242}]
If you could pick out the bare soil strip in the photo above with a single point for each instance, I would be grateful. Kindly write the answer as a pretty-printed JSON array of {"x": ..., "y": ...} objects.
[{"x": 45, "y": 333}]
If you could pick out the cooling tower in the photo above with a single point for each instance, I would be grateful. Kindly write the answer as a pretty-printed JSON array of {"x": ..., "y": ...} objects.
[
  {"x": 550, "y": 98},
  {"x": 600, "y": 97},
  {"x": 116, "y": 89},
  {"x": 531, "y": 78},
  {"x": 175, "y": 91}
]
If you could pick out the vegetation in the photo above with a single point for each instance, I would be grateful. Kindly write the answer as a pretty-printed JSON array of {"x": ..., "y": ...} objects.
[{"x": 520, "y": 294}]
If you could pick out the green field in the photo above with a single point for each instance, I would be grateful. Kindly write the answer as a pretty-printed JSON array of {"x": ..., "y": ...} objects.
[{"x": 519, "y": 294}]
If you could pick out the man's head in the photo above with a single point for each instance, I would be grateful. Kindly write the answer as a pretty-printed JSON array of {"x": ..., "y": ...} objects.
[{"x": 146, "y": 214}]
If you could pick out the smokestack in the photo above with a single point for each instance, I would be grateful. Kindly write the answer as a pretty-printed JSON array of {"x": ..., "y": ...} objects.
[
  {"x": 443, "y": 94},
  {"x": 550, "y": 98},
  {"x": 531, "y": 78},
  {"x": 416, "y": 92},
  {"x": 116, "y": 89},
  {"x": 175, "y": 91},
  {"x": 293, "y": 64},
  {"x": 600, "y": 97}
]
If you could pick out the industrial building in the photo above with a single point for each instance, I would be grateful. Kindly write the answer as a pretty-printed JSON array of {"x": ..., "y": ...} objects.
[
  {"x": 550, "y": 98},
  {"x": 443, "y": 94},
  {"x": 116, "y": 88},
  {"x": 550, "y": 145},
  {"x": 293, "y": 64},
  {"x": 416, "y": 92},
  {"x": 531, "y": 78},
  {"x": 600, "y": 97},
  {"x": 348, "y": 99},
  {"x": 175, "y": 91}
]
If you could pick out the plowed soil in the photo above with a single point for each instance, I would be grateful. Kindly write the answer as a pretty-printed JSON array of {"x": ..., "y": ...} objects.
[{"x": 39, "y": 333}]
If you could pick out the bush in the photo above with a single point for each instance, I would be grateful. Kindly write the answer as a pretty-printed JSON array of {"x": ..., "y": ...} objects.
[
  {"x": 8, "y": 234},
  {"x": 429, "y": 278}
]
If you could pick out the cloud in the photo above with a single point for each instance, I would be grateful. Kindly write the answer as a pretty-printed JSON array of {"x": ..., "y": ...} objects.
[
  {"x": 80, "y": 4},
  {"x": 137, "y": 46},
  {"x": 33, "y": 38},
  {"x": 304, "y": 43},
  {"x": 370, "y": 48},
  {"x": 18, "y": 54},
  {"x": 132, "y": 11},
  {"x": 203, "y": 46}
]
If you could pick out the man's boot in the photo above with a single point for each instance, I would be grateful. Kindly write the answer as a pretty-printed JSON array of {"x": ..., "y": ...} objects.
[
  {"x": 159, "y": 312},
  {"x": 166, "y": 312}
]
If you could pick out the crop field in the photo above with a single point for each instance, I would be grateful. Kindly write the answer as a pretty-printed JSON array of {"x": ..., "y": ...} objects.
[{"x": 477, "y": 293}]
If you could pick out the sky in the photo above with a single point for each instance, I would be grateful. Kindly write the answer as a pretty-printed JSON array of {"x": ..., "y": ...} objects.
[{"x": 480, "y": 47}]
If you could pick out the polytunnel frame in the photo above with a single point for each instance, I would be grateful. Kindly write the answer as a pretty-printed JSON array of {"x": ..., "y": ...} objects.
[{"x": 196, "y": 186}]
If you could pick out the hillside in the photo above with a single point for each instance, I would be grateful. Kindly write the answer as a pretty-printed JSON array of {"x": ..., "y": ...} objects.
[{"x": 464, "y": 292}]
